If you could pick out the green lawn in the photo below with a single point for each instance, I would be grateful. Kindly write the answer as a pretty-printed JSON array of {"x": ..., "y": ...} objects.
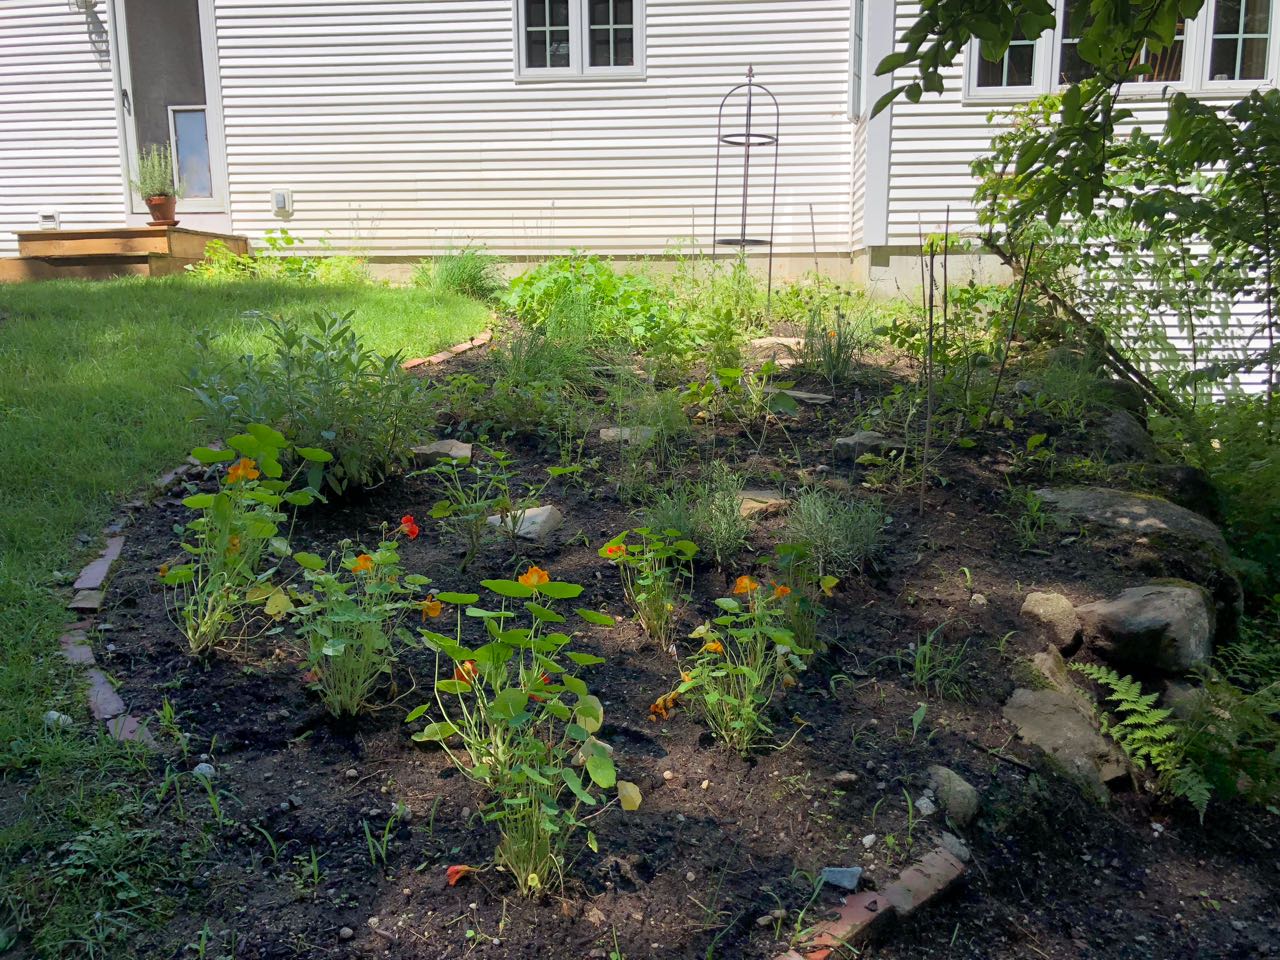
[{"x": 91, "y": 409}]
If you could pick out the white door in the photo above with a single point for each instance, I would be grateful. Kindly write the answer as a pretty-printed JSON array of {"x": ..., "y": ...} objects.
[{"x": 167, "y": 79}]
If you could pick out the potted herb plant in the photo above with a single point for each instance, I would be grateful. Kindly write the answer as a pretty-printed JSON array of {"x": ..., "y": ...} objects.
[{"x": 156, "y": 184}]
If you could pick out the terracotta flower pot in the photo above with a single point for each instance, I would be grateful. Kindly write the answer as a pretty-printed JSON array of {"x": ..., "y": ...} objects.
[{"x": 162, "y": 211}]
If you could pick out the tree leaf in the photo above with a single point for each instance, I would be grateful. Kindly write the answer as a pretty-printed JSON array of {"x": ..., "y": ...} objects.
[{"x": 629, "y": 795}]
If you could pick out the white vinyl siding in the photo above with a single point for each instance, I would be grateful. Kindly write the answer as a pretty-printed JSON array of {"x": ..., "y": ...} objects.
[
  {"x": 59, "y": 143},
  {"x": 402, "y": 131}
]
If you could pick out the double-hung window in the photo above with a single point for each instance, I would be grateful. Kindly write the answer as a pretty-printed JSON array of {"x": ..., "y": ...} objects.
[
  {"x": 1228, "y": 43},
  {"x": 559, "y": 39},
  {"x": 1239, "y": 44}
]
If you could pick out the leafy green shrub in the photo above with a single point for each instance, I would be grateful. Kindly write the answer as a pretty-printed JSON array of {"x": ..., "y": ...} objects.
[
  {"x": 525, "y": 719},
  {"x": 220, "y": 263},
  {"x": 708, "y": 511},
  {"x": 155, "y": 172},
  {"x": 469, "y": 272},
  {"x": 321, "y": 388},
  {"x": 839, "y": 533}
]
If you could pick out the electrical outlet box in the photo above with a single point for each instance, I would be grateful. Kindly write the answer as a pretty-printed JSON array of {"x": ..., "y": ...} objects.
[
  {"x": 282, "y": 202},
  {"x": 49, "y": 219}
]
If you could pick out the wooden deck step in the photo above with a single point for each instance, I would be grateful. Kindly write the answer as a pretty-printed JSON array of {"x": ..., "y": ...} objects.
[{"x": 111, "y": 252}]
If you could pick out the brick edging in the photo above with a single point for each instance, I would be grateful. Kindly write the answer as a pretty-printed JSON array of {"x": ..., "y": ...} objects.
[
  {"x": 869, "y": 914},
  {"x": 416, "y": 364}
]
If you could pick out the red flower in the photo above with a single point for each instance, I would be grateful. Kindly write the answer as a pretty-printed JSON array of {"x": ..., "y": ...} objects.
[
  {"x": 465, "y": 672},
  {"x": 457, "y": 872},
  {"x": 544, "y": 680},
  {"x": 408, "y": 527}
]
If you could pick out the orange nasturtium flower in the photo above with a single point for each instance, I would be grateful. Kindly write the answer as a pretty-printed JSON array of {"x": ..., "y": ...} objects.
[
  {"x": 745, "y": 585},
  {"x": 616, "y": 550},
  {"x": 457, "y": 872},
  {"x": 363, "y": 564},
  {"x": 408, "y": 527},
  {"x": 781, "y": 590},
  {"x": 163, "y": 571},
  {"x": 534, "y": 577},
  {"x": 243, "y": 469},
  {"x": 465, "y": 672},
  {"x": 831, "y": 334},
  {"x": 663, "y": 706},
  {"x": 430, "y": 607},
  {"x": 713, "y": 646}
]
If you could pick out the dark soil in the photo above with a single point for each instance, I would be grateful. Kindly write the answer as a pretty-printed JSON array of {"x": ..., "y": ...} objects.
[{"x": 719, "y": 842}]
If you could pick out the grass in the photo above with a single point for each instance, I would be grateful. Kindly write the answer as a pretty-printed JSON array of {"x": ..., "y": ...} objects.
[{"x": 90, "y": 411}]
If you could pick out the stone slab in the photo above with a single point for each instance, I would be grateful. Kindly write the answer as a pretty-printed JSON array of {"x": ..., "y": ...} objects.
[
  {"x": 75, "y": 647},
  {"x": 130, "y": 728},
  {"x": 95, "y": 573},
  {"x": 429, "y": 454},
  {"x": 86, "y": 601},
  {"x": 756, "y": 504},
  {"x": 104, "y": 702}
]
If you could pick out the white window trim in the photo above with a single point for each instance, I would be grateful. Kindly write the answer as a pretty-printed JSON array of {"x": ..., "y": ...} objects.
[
  {"x": 118, "y": 30},
  {"x": 1197, "y": 48},
  {"x": 578, "y": 68}
]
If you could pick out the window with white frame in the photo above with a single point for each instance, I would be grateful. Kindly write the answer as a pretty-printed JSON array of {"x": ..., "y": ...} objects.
[
  {"x": 579, "y": 38},
  {"x": 1228, "y": 41},
  {"x": 1240, "y": 41}
]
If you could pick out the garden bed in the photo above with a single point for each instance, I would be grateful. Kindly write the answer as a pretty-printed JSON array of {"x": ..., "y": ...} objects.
[{"x": 720, "y": 842}]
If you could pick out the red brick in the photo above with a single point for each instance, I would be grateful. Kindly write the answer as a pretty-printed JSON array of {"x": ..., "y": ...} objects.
[
  {"x": 927, "y": 878},
  {"x": 861, "y": 917},
  {"x": 414, "y": 363},
  {"x": 93, "y": 575},
  {"x": 76, "y": 648},
  {"x": 439, "y": 357}
]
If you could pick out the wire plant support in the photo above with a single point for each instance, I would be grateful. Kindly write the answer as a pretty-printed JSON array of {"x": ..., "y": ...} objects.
[{"x": 758, "y": 115}]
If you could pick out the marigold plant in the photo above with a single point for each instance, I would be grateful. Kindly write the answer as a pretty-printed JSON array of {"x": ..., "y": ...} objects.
[{"x": 526, "y": 723}]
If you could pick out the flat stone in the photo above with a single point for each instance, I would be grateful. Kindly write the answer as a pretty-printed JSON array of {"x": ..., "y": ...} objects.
[
  {"x": 75, "y": 647},
  {"x": 536, "y": 523},
  {"x": 1057, "y": 615},
  {"x": 95, "y": 573},
  {"x": 846, "y": 878},
  {"x": 104, "y": 702},
  {"x": 925, "y": 880},
  {"x": 959, "y": 798},
  {"x": 428, "y": 455},
  {"x": 757, "y": 504},
  {"x": 626, "y": 434},
  {"x": 1052, "y": 721},
  {"x": 849, "y": 449},
  {"x": 130, "y": 728},
  {"x": 86, "y": 601},
  {"x": 1168, "y": 626},
  {"x": 813, "y": 399}
]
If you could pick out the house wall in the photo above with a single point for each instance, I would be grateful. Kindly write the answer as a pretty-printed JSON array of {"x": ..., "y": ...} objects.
[
  {"x": 59, "y": 147},
  {"x": 401, "y": 132}
]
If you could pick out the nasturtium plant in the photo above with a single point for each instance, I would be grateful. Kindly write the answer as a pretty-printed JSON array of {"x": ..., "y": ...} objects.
[
  {"x": 525, "y": 721},
  {"x": 238, "y": 530}
]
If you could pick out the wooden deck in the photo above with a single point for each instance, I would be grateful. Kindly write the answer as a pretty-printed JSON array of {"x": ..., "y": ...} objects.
[{"x": 112, "y": 252}]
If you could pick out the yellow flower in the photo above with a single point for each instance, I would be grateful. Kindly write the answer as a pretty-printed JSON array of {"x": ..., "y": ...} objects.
[
  {"x": 233, "y": 545},
  {"x": 431, "y": 607},
  {"x": 534, "y": 577},
  {"x": 363, "y": 564},
  {"x": 243, "y": 469},
  {"x": 745, "y": 585},
  {"x": 686, "y": 677},
  {"x": 715, "y": 646},
  {"x": 163, "y": 571},
  {"x": 788, "y": 682}
]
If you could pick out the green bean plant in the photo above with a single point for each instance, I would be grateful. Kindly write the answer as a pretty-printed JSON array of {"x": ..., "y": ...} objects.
[
  {"x": 525, "y": 722},
  {"x": 235, "y": 531},
  {"x": 657, "y": 571}
]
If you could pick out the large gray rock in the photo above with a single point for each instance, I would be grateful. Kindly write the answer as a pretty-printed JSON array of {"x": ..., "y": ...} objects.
[
  {"x": 429, "y": 454},
  {"x": 1168, "y": 626},
  {"x": 1052, "y": 721},
  {"x": 1163, "y": 539},
  {"x": 1124, "y": 439},
  {"x": 1056, "y": 614},
  {"x": 536, "y": 523},
  {"x": 959, "y": 798}
]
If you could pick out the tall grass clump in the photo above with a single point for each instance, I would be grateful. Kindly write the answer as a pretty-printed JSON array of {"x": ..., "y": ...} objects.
[{"x": 469, "y": 272}]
